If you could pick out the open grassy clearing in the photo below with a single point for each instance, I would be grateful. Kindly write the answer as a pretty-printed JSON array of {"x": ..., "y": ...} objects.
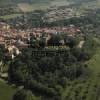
[{"x": 6, "y": 91}]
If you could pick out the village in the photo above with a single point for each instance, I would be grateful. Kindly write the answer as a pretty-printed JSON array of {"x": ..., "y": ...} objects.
[{"x": 13, "y": 39}]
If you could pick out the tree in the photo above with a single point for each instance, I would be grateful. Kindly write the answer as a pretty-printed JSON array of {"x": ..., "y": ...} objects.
[
  {"x": 56, "y": 40},
  {"x": 18, "y": 72},
  {"x": 72, "y": 41},
  {"x": 1, "y": 58},
  {"x": 42, "y": 42},
  {"x": 33, "y": 41},
  {"x": 23, "y": 95}
]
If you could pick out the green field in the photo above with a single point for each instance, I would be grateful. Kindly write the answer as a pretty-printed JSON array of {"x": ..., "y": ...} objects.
[{"x": 6, "y": 91}]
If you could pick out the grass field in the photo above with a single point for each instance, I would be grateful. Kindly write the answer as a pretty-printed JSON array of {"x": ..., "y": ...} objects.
[{"x": 6, "y": 91}]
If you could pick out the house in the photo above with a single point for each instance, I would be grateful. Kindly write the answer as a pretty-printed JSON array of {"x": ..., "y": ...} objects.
[{"x": 12, "y": 51}]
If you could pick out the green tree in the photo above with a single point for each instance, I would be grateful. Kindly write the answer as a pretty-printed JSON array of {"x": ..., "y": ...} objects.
[{"x": 23, "y": 95}]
